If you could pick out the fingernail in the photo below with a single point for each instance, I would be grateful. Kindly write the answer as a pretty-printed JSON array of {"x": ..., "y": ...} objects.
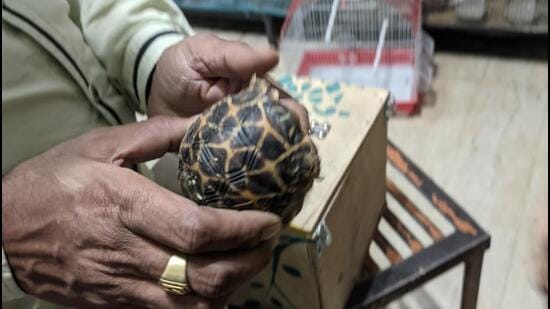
[{"x": 271, "y": 231}]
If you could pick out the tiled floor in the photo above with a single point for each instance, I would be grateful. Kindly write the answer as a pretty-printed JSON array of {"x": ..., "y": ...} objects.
[
  {"x": 485, "y": 141},
  {"x": 488, "y": 147}
]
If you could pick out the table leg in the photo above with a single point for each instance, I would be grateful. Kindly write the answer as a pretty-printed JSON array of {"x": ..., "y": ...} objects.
[{"x": 472, "y": 276}]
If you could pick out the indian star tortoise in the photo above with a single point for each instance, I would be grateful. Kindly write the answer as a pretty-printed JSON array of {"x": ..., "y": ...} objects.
[{"x": 248, "y": 151}]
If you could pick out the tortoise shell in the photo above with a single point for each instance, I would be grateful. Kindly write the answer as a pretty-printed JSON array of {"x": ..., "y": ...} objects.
[{"x": 248, "y": 152}]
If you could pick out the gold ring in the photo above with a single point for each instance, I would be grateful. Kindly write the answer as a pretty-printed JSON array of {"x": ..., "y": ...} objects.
[{"x": 174, "y": 277}]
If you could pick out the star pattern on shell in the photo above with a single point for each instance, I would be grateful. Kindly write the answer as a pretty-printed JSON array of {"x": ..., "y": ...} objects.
[{"x": 248, "y": 152}]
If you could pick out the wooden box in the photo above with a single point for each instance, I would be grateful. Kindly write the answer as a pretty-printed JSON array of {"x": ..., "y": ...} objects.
[{"x": 320, "y": 255}]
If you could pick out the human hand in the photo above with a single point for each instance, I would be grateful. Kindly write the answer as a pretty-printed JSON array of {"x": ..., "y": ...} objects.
[
  {"x": 193, "y": 74},
  {"x": 80, "y": 229}
]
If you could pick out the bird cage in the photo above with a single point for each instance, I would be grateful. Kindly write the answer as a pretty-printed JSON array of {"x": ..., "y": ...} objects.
[{"x": 375, "y": 43}]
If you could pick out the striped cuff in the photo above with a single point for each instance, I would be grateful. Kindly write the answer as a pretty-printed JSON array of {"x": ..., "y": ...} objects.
[
  {"x": 143, "y": 53},
  {"x": 10, "y": 289}
]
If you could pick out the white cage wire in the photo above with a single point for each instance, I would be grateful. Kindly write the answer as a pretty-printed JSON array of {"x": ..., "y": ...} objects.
[{"x": 376, "y": 43}]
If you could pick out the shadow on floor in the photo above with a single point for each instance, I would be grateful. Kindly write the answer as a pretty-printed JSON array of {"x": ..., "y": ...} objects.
[
  {"x": 232, "y": 22},
  {"x": 525, "y": 46}
]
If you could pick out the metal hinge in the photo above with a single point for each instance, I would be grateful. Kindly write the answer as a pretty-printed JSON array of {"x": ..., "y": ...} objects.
[
  {"x": 391, "y": 107},
  {"x": 322, "y": 237}
]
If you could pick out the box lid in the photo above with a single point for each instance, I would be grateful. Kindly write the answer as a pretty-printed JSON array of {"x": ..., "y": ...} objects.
[{"x": 350, "y": 111}]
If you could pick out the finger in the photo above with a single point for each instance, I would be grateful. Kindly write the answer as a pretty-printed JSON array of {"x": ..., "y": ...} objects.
[
  {"x": 211, "y": 275},
  {"x": 220, "y": 274},
  {"x": 299, "y": 110},
  {"x": 167, "y": 218},
  {"x": 153, "y": 296},
  {"x": 213, "y": 57},
  {"x": 216, "y": 91},
  {"x": 235, "y": 86},
  {"x": 142, "y": 287},
  {"x": 138, "y": 142}
]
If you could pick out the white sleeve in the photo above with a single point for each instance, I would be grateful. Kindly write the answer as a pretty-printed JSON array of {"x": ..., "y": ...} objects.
[{"x": 129, "y": 36}]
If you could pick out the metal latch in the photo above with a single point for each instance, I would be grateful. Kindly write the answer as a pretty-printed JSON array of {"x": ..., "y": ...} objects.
[
  {"x": 322, "y": 237},
  {"x": 319, "y": 129},
  {"x": 391, "y": 107}
]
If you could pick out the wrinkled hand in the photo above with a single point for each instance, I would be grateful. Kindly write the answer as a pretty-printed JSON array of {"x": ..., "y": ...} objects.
[
  {"x": 80, "y": 229},
  {"x": 201, "y": 70}
]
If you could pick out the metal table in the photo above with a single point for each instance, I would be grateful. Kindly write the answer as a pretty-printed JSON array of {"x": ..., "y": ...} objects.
[{"x": 467, "y": 244}]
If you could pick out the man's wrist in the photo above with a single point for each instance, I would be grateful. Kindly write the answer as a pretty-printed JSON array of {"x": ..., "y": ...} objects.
[
  {"x": 10, "y": 289},
  {"x": 143, "y": 53}
]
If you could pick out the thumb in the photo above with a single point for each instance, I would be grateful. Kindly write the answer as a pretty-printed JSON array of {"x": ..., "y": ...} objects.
[
  {"x": 231, "y": 59},
  {"x": 147, "y": 140}
]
